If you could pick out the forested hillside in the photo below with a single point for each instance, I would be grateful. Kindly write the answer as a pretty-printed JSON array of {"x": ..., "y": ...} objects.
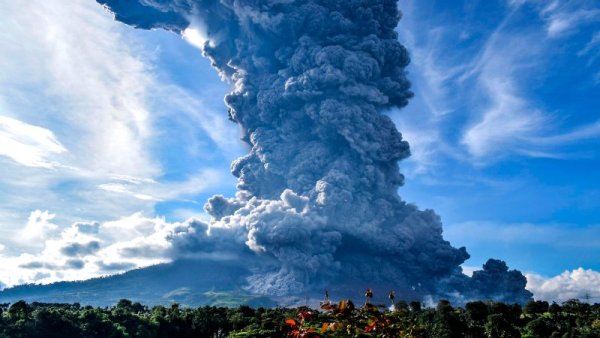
[{"x": 339, "y": 319}]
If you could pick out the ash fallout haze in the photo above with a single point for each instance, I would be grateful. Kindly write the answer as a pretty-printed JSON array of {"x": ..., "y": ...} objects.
[{"x": 109, "y": 108}]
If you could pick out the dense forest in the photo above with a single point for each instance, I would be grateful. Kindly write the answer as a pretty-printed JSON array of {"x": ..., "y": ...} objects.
[{"x": 334, "y": 319}]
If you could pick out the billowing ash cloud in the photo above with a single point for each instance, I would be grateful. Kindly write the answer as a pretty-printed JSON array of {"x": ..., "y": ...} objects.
[{"x": 317, "y": 195}]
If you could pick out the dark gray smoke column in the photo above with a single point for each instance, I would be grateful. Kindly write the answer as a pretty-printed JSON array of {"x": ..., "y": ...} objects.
[{"x": 317, "y": 198}]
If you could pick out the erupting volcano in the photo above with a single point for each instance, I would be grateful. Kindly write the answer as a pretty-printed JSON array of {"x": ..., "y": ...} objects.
[{"x": 317, "y": 205}]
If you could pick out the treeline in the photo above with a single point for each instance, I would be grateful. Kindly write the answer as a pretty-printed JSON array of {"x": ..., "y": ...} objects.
[{"x": 341, "y": 319}]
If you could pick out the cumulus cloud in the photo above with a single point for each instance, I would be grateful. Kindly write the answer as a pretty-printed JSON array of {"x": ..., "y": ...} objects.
[
  {"x": 86, "y": 250},
  {"x": 583, "y": 284},
  {"x": 39, "y": 226},
  {"x": 317, "y": 199}
]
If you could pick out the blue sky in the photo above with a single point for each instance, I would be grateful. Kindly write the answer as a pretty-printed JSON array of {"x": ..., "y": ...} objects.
[
  {"x": 127, "y": 128},
  {"x": 505, "y": 127}
]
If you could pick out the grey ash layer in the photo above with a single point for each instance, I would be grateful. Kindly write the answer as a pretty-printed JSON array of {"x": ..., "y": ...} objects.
[{"x": 317, "y": 203}]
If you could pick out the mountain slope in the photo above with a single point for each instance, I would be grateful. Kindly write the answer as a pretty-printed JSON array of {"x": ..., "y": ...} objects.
[{"x": 188, "y": 282}]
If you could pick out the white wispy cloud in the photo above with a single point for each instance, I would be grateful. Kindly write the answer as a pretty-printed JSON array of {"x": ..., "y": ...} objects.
[
  {"x": 27, "y": 144},
  {"x": 562, "y": 17},
  {"x": 161, "y": 191},
  {"x": 561, "y": 22},
  {"x": 591, "y": 51},
  {"x": 433, "y": 70},
  {"x": 589, "y": 131},
  {"x": 221, "y": 131},
  {"x": 74, "y": 93},
  {"x": 591, "y": 45},
  {"x": 79, "y": 94},
  {"x": 123, "y": 189},
  {"x": 81, "y": 79},
  {"x": 505, "y": 122},
  {"x": 475, "y": 104},
  {"x": 503, "y": 118}
]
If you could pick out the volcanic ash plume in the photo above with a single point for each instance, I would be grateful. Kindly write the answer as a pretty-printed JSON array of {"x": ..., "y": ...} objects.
[{"x": 317, "y": 204}]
